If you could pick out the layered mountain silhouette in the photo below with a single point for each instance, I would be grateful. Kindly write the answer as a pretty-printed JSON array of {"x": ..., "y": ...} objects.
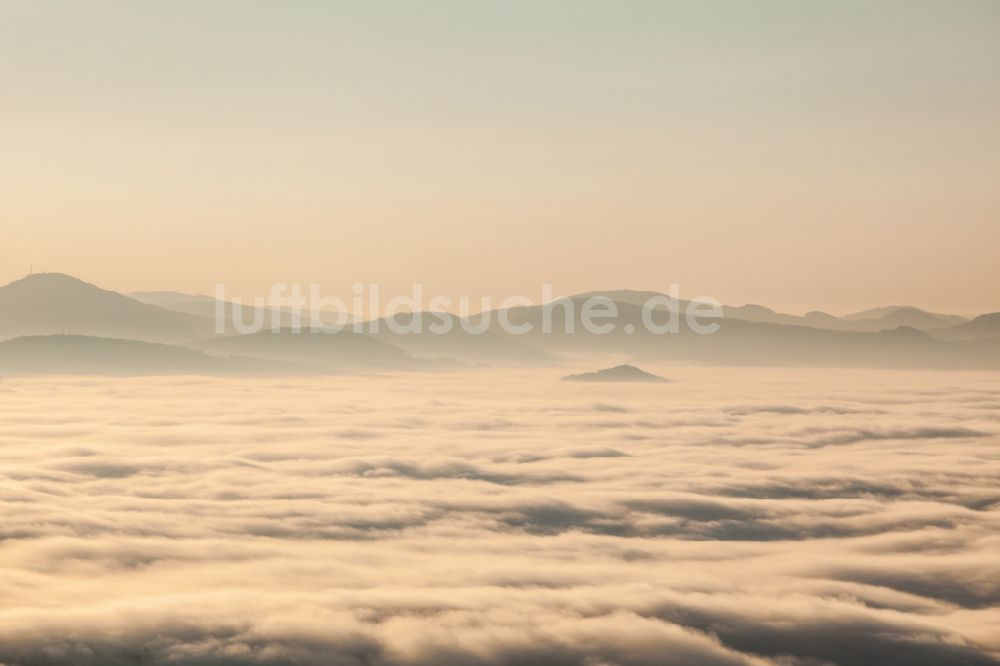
[
  {"x": 742, "y": 342},
  {"x": 877, "y": 319},
  {"x": 80, "y": 354},
  {"x": 983, "y": 327},
  {"x": 880, "y": 319},
  {"x": 53, "y": 303},
  {"x": 474, "y": 343},
  {"x": 171, "y": 300},
  {"x": 208, "y": 307},
  {"x": 342, "y": 351},
  {"x": 52, "y": 322},
  {"x": 906, "y": 315}
]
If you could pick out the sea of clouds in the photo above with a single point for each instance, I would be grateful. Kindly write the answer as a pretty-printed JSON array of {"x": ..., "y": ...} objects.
[{"x": 731, "y": 517}]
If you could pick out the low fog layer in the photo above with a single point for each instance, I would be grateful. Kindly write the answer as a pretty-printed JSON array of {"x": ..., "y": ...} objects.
[{"x": 728, "y": 517}]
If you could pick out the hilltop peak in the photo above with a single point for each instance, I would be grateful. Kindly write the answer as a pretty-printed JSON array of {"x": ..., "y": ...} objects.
[
  {"x": 53, "y": 303},
  {"x": 619, "y": 373},
  {"x": 46, "y": 279}
]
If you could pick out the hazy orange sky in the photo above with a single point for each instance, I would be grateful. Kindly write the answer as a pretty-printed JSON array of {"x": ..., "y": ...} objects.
[{"x": 797, "y": 154}]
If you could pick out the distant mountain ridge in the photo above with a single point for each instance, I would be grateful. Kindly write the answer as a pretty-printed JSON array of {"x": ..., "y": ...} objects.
[
  {"x": 742, "y": 342},
  {"x": 873, "y": 320},
  {"x": 898, "y": 311},
  {"x": 985, "y": 326},
  {"x": 344, "y": 350},
  {"x": 245, "y": 313},
  {"x": 56, "y": 316},
  {"x": 53, "y": 303},
  {"x": 81, "y": 354},
  {"x": 492, "y": 346},
  {"x": 167, "y": 298}
]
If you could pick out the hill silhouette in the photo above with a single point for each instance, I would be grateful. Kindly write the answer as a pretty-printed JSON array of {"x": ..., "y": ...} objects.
[
  {"x": 742, "y": 342},
  {"x": 490, "y": 347},
  {"x": 900, "y": 313},
  {"x": 619, "y": 373},
  {"x": 983, "y": 327},
  {"x": 53, "y": 303},
  {"x": 80, "y": 354},
  {"x": 246, "y": 313},
  {"x": 48, "y": 304},
  {"x": 343, "y": 350},
  {"x": 874, "y": 320}
]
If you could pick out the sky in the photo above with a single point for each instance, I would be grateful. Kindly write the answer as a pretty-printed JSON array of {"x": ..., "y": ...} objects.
[{"x": 802, "y": 155}]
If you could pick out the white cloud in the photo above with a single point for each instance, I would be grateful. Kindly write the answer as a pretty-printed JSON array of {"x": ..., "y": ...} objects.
[{"x": 729, "y": 517}]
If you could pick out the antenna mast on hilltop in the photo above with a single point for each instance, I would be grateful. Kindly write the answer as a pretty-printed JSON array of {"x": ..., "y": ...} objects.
[{"x": 31, "y": 269}]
